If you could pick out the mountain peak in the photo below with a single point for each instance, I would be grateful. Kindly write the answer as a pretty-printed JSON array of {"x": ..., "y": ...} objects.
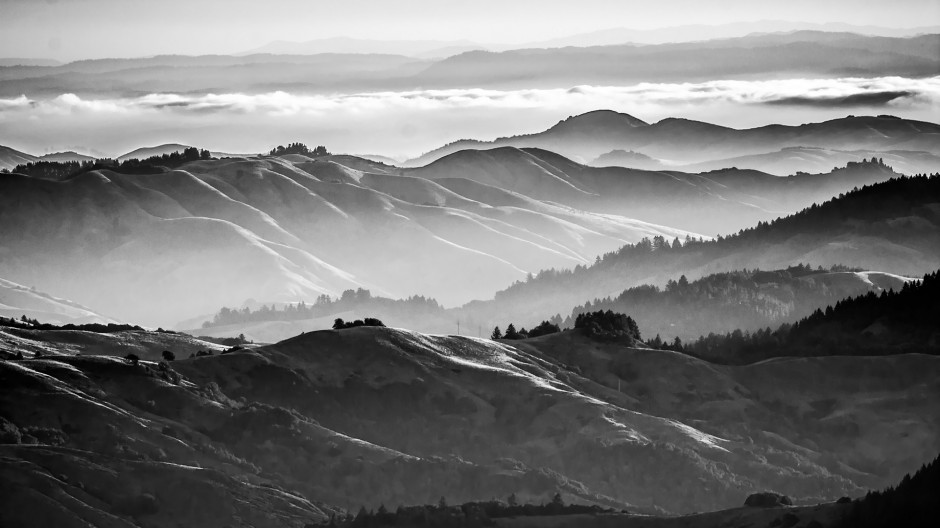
[{"x": 605, "y": 119}]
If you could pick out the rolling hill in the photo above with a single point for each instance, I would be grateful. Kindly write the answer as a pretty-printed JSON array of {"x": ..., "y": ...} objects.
[
  {"x": 704, "y": 146},
  {"x": 367, "y": 416},
  {"x": 160, "y": 248}
]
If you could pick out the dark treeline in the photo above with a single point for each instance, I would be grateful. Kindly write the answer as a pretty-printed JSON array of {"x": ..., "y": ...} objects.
[
  {"x": 543, "y": 328},
  {"x": 339, "y": 324},
  {"x": 894, "y": 322},
  {"x": 32, "y": 324},
  {"x": 897, "y": 198},
  {"x": 325, "y": 305},
  {"x": 299, "y": 148},
  {"x": 912, "y": 504},
  {"x": 745, "y": 299},
  {"x": 58, "y": 170},
  {"x": 467, "y": 515}
]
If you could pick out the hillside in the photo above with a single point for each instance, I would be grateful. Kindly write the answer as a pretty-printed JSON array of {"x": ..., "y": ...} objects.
[
  {"x": 17, "y": 300},
  {"x": 10, "y": 158},
  {"x": 737, "y": 300},
  {"x": 367, "y": 416},
  {"x": 710, "y": 203},
  {"x": 164, "y": 247},
  {"x": 891, "y": 226},
  {"x": 696, "y": 146},
  {"x": 896, "y": 321}
]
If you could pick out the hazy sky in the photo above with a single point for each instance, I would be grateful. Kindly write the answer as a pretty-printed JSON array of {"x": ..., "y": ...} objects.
[{"x": 73, "y": 29}]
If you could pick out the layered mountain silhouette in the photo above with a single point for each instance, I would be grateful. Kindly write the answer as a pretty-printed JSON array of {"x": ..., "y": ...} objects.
[
  {"x": 800, "y": 54},
  {"x": 682, "y": 144},
  {"x": 797, "y": 55},
  {"x": 887, "y": 226},
  {"x": 220, "y": 232},
  {"x": 164, "y": 247},
  {"x": 367, "y": 416}
]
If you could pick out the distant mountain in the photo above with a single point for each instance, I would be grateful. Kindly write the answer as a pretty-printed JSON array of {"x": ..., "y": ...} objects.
[
  {"x": 10, "y": 158},
  {"x": 17, "y": 301},
  {"x": 260, "y": 73},
  {"x": 385, "y": 415},
  {"x": 66, "y": 156},
  {"x": 425, "y": 49},
  {"x": 681, "y": 141},
  {"x": 891, "y": 226},
  {"x": 791, "y": 160},
  {"x": 630, "y": 159},
  {"x": 708, "y": 203},
  {"x": 9, "y": 62},
  {"x": 802, "y": 54},
  {"x": 699, "y": 32}
]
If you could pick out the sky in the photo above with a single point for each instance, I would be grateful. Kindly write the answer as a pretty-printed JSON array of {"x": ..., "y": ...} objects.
[{"x": 79, "y": 29}]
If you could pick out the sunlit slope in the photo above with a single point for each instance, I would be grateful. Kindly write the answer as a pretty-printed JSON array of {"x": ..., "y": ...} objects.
[{"x": 17, "y": 300}]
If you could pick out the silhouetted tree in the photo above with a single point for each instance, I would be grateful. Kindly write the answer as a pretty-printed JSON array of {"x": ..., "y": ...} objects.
[{"x": 497, "y": 334}]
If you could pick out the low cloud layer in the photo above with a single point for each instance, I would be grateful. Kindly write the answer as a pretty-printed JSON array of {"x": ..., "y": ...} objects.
[{"x": 407, "y": 123}]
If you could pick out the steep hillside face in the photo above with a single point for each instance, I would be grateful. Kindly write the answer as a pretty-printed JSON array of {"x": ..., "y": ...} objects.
[
  {"x": 696, "y": 146},
  {"x": 374, "y": 415}
]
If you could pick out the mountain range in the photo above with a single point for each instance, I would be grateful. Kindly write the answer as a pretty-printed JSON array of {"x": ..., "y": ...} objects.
[
  {"x": 800, "y": 54},
  {"x": 482, "y": 219},
  {"x": 694, "y": 146}
]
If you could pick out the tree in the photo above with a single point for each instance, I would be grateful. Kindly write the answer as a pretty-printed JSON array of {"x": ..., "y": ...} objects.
[
  {"x": 133, "y": 359},
  {"x": 544, "y": 328},
  {"x": 512, "y": 501},
  {"x": 168, "y": 356},
  {"x": 339, "y": 324},
  {"x": 442, "y": 504},
  {"x": 511, "y": 332},
  {"x": 497, "y": 334}
]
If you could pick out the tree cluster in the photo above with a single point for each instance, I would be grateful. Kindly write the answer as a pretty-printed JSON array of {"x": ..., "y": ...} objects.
[
  {"x": 607, "y": 324},
  {"x": 299, "y": 148},
  {"x": 467, "y": 515},
  {"x": 32, "y": 324},
  {"x": 722, "y": 302},
  {"x": 339, "y": 324},
  {"x": 543, "y": 328},
  {"x": 912, "y": 504},
  {"x": 58, "y": 170},
  {"x": 324, "y": 305},
  {"x": 893, "y": 322}
]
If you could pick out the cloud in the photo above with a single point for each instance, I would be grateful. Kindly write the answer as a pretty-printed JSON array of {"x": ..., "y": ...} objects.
[
  {"x": 802, "y": 92},
  {"x": 859, "y": 99}
]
